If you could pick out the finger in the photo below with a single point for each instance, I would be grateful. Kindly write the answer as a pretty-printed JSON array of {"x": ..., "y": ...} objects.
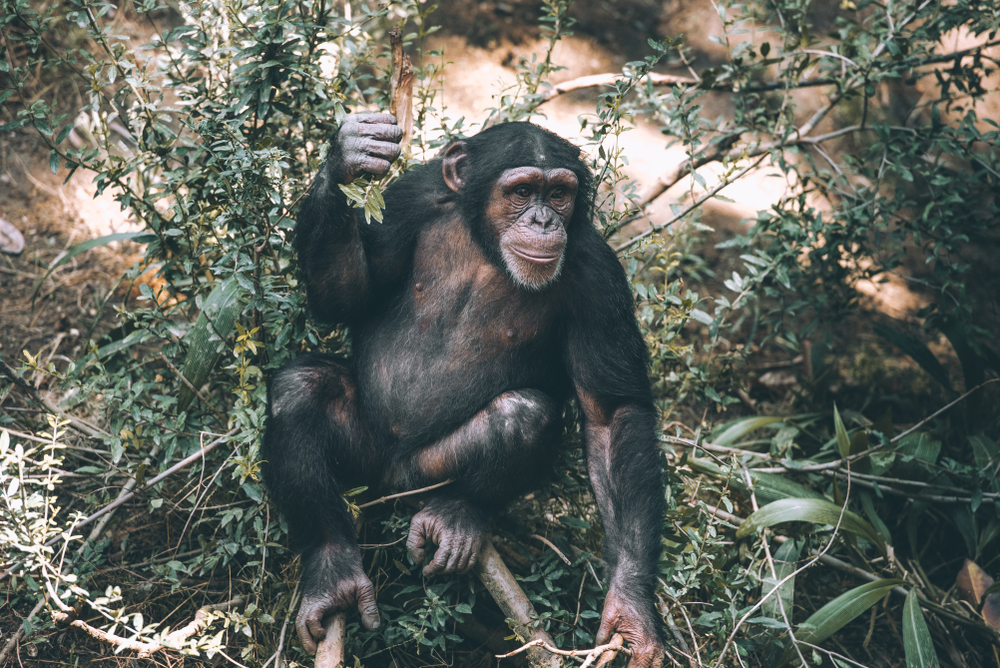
[
  {"x": 307, "y": 627},
  {"x": 473, "y": 558},
  {"x": 370, "y": 164},
  {"x": 607, "y": 629},
  {"x": 463, "y": 562},
  {"x": 415, "y": 544},
  {"x": 645, "y": 656},
  {"x": 381, "y": 131},
  {"x": 440, "y": 559},
  {"x": 383, "y": 149},
  {"x": 379, "y": 118},
  {"x": 367, "y": 606},
  {"x": 455, "y": 558}
]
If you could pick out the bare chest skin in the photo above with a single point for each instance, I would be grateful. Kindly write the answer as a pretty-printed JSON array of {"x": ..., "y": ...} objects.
[{"x": 460, "y": 331}]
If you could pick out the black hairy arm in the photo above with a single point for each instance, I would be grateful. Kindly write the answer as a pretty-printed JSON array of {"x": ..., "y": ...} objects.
[
  {"x": 334, "y": 256},
  {"x": 608, "y": 364}
]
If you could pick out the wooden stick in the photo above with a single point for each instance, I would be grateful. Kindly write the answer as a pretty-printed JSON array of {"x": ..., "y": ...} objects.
[
  {"x": 401, "y": 89},
  {"x": 617, "y": 642},
  {"x": 500, "y": 582},
  {"x": 330, "y": 653}
]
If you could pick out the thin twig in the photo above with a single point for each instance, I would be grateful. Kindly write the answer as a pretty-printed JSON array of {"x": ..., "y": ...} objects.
[
  {"x": 554, "y": 548},
  {"x": 208, "y": 404},
  {"x": 127, "y": 497},
  {"x": 79, "y": 424},
  {"x": 600, "y": 649},
  {"x": 400, "y": 495},
  {"x": 16, "y": 637},
  {"x": 146, "y": 649}
]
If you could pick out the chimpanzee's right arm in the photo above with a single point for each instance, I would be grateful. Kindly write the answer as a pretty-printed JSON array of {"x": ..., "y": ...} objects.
[{"x": 335, "y": 263}]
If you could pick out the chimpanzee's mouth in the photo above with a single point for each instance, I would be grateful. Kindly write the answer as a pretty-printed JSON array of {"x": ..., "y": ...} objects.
[{"x": 538, "y": 259}]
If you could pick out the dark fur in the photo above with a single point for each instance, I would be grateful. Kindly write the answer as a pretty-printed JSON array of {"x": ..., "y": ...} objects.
[{"x": 450, "y": 366}]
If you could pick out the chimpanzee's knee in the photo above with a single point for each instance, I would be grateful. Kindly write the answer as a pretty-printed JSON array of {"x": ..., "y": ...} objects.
[{"x": 529, "y": 423}]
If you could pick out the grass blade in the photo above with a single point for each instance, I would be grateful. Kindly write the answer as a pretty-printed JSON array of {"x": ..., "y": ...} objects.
[
  {"x": 817, "y": 511},
  {"x": 784, "y": 564},
  {"x": 737, "y": 429},
  {"x": 838, "y": 613},
  {"x": 916, "y": 636}
]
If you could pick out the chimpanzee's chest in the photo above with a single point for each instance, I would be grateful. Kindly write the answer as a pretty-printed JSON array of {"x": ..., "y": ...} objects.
[{"x": 458, "y": 334}]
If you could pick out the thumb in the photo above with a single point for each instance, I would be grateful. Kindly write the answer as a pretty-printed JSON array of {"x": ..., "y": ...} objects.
[{"x": 608, "y": 625}]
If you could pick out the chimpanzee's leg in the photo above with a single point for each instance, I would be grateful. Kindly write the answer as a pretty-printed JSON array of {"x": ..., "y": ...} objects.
[
  {"x": 504, "y": 450},
  {"x": 314, "y": 443}
]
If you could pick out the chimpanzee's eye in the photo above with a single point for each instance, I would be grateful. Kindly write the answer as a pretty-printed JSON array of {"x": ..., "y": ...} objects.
[
  {"x": 522, "y": 191},
  {"x": 559, "y": 194}
]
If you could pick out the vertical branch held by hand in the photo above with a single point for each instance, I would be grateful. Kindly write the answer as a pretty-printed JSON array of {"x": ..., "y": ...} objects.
[
  {"x": 500, "y": 582},
  {"x": 401, "y": 89},
  {"x": 330, "y": 653}
]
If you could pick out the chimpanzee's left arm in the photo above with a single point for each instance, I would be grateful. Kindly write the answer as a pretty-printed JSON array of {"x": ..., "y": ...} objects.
[{"x": 608, "y": 363}]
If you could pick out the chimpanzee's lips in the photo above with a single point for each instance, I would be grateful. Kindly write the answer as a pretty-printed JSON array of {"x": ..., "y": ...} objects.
[{"x": 539, "y": 259}]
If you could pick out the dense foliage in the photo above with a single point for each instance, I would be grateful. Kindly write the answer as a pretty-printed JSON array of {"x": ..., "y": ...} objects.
[{"x": 209, "y": 134}]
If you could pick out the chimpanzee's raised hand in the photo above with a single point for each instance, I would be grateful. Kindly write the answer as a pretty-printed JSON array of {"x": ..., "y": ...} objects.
[
  {"x": 365, "y": 143},
  {"x": 457, "y": 529},
  {"x": 332, "y": 580},
  {"x": 635, "y": 622}
]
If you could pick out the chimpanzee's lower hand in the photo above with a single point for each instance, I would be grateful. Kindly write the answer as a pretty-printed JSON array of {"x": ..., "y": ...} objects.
[
  {"x": 366, "y": 143},
  {"x": 458, "y": 529},
  {"x": 332, "y": 580},
  {"x": 637, "y": 625}
]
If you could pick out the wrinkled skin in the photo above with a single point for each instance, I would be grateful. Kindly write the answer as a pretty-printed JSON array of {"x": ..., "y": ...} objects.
[
  {"x": 458, "y": 531},
  {"x": 368, "y": 143},
  {"x": 340, "y": 585},
  {"x": 637, "y": 626}
]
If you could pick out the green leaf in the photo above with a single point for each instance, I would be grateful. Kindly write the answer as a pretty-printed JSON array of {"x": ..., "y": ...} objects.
[
  {"x": 817, "y": 511},
  {"x": 839, "y": 612},
  {"x": 207, "y": 339},
  {"x": 784, "y": 565},
  {"x": 843, "y": 440},
  {"x": 53, "y": 161},
  {"x": 767, "y": 487},
  {"x": 732, "y": 432},
  {"x": 916, "y": 636}
]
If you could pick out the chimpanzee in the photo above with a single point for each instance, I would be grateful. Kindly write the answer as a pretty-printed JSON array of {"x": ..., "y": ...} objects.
[{"x": 483, "y": 302}]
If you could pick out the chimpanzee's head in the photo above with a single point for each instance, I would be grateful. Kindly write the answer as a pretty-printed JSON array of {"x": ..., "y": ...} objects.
[{"x": 522, "y": 190}]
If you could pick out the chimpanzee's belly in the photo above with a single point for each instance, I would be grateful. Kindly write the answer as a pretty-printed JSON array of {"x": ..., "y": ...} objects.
[{"x": 458, "y": 335}]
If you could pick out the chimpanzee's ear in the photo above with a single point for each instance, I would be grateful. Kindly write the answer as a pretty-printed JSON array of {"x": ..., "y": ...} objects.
[{"x": 454, "y": 165}]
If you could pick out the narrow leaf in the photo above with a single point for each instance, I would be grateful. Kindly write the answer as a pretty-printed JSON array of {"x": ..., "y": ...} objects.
[
  {"x": 784, "y": 565},
  {"x": 916, "y": 636},
  {"x": 737, "y": 429},
  {"x": 817, "y": 511},
  {"x": 843, "y": 440},
  {"x": 207, "y": 339},
  {"x": 839, "y": 612}
]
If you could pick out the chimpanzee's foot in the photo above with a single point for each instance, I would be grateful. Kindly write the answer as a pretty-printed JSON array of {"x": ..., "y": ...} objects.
[{"x": 457, "y": 528}]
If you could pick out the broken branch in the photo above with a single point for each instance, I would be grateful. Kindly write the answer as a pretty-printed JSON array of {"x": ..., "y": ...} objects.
[
  {"x": 330, "y": 653},
  {"x": 500, "y": 582}
]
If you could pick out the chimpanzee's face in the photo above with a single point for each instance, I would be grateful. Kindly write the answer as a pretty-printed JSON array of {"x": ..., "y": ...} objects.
[{"x": 528, "y": 212}]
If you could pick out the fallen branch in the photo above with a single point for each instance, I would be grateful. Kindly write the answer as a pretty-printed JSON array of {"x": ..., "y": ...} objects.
[
  {"x": 146, "y": 649},
  {"x": 330, "y": 653},
  {"x": 603, "y": 654},
  {"x": 499, "y": 581}
]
